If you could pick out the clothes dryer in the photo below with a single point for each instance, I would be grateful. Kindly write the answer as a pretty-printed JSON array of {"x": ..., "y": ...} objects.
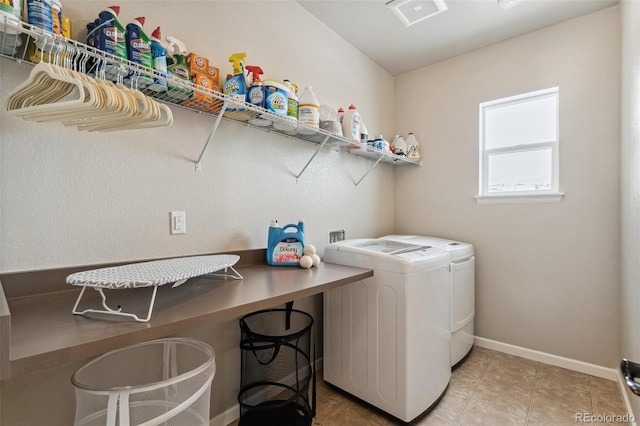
[
  {"x": 462, "y": 287},
  {"x": 386, "y": 338}
]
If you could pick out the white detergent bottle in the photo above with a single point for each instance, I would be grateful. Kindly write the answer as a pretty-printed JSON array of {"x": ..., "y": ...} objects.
[
  {"x": 399, "y": 145},
  {"x": 413, "y": 148},
  {"x": 308, "y": 111},
  {"x": 351, "y": 124}
]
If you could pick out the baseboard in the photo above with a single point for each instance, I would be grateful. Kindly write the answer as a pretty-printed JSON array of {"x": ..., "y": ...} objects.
[
  {"x": 558, "y": 361},
  {"x": 230, "y": 415},
  {"x": 233, "y": 413},
  {"x": 625, "y": 397}
]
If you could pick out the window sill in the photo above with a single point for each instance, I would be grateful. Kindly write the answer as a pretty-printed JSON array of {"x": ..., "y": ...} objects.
[{"x": 554, "y": 197}]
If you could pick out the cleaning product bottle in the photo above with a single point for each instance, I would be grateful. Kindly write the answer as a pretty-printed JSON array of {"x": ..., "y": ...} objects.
[
  {"x": 308, "y": 111},
  {"x": 413, "y": 148},
  {"x": 56, "y": 16},
  {"x": 289, "y": 125},
  {"x": 139, "y": 50},
  {"x": 364, "y": 132},
  {"x": 364, "y": 136},
  {"x": 236, "y": 85},
  {"x": 159, "y": 55},
  {"x": 66, "y": 27},
  {"x": 285, "y": 246},
  {"x": 111, "y": 39},
  {"x": 10, "y": 17},
  {"x": 379, "y": 143},
  {"x": 92, "y": 40},
  {"x": 399, "y": 145},
  {"x": 292, "y": 108},
  {"x": 276, "y": 98},
  {"x": 351, "y": 124},
  {"x": 177, "y": 66},
  {"x": 38, "y": 14},
  {"x": 255, "y": 94},
  {"x": 176, "y": 63}
]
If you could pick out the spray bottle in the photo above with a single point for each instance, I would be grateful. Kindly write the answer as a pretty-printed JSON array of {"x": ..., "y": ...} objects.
[
  {"x": 177, "y": 65},
  {"x": 236, "y": 86},
  {"x": 139, "y": 50},
  {"x": 159, "y": 54},
  {"x": 255, "y": 94}
]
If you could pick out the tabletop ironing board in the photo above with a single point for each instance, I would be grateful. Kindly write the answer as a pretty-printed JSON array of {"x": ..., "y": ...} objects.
[{"x": 149, "y": 274}]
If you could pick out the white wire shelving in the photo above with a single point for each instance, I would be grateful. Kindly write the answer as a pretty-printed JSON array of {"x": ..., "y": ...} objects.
[{"x": 27, "y": 44}]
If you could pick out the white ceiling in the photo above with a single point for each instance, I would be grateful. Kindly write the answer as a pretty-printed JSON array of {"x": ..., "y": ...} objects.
[{"x": 372, "y": 28}]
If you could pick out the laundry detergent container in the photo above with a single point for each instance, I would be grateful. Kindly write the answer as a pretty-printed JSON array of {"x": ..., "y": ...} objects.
[{"x": 160, "y": 382}]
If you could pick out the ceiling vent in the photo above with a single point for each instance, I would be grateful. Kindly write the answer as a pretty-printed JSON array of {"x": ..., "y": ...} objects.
[{"x": 411, "y": 12}]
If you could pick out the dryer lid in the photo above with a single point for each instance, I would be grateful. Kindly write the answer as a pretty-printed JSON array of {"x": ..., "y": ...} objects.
[
  {"x": 392, "y": 248},
  {"x": 385, "y": 255}
]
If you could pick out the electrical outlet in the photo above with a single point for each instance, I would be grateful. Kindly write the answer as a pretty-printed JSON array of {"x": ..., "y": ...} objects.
[
  {"x": 336, "y": 235},
  {"x": 178, "y": 223}
]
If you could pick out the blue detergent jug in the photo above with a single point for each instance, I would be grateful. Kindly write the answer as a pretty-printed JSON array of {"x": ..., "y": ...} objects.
[{"x": 285, "y": 245}]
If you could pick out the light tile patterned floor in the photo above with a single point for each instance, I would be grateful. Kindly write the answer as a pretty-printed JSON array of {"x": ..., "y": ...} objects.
[{"x": 495, "y": 389}]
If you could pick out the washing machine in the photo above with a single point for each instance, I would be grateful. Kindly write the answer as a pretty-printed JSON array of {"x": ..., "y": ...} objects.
[
  {"x": 462, "y": 296},
  {"x": 386, "y": 338}
]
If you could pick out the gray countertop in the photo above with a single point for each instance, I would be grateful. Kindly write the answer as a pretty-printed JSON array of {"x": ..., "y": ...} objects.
[{"x": 38, "y": 330}]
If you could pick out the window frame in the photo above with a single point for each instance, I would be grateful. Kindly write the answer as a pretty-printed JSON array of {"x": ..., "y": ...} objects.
[{"x": 527, "y": 196}]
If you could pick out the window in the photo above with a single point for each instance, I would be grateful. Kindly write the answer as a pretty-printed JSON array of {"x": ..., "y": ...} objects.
[{"x": 519, "y": 148}]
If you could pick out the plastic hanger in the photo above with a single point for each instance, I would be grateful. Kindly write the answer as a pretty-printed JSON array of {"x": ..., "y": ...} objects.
[{"x": 59, "y": 93}]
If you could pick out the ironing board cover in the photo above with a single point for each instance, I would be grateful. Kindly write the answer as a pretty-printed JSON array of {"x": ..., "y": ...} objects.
[{"x": 153, "y": 273}]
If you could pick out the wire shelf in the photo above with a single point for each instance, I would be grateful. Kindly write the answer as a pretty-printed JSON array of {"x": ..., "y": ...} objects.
[{"x": 25, "y": 43}]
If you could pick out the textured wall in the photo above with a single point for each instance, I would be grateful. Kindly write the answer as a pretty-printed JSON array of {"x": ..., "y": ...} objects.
[
  {"x": 73, "y": 198},
  {"x": 547, "y": 275}
]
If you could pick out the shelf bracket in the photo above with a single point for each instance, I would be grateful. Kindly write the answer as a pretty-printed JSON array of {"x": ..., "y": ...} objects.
[
  {"x": 312, "y": 157},
  {"x": 369, "y": 170},
  {"x": 213, "y": 132}
]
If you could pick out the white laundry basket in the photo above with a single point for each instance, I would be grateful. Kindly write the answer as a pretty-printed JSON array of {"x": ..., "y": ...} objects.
[{"x": 161, "y": 382}]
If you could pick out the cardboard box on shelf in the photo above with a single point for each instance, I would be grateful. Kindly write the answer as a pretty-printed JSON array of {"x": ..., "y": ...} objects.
[{"x": 197, "y": 63}]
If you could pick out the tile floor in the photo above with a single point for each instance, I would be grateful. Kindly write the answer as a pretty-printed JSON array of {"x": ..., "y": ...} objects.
[{"x": 495, "y": 389}]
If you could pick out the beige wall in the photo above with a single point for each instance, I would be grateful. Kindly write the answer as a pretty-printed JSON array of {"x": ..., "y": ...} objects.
[
  {"x": 72, "y": 198},
  {"x": 546, "y": 273},
  {"x": 629, "y": 189}
]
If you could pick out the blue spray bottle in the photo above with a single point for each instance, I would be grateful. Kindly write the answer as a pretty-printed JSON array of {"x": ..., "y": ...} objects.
[{"x": 236, "y": 85}]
